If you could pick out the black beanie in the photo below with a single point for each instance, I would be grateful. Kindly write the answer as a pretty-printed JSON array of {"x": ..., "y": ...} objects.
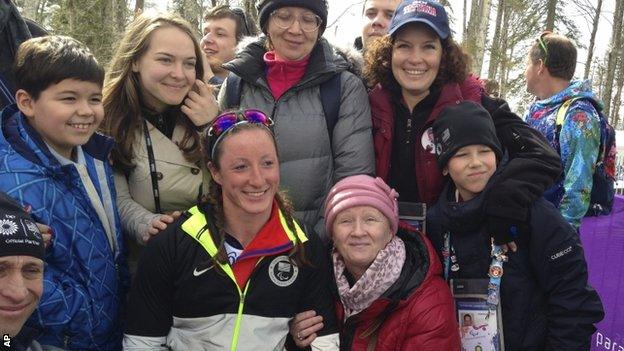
[
  {"x": 266, "y": 7},
  {"x": 19, "y": 235},
  {"x": 463, "y": 124}
]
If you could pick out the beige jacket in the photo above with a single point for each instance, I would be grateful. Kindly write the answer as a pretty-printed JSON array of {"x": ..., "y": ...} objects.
[{"x": 179, "y": 181}]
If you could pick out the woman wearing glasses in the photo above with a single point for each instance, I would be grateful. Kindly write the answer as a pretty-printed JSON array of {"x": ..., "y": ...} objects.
[
  {"x": 231, "y": 272},
  {"x": 418, "y": 69},
  {"x": 283, "y": 74}
]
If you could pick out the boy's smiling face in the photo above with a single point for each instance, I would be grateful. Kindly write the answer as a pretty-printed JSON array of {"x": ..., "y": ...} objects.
[
  {"x": 471, "y": 168},
  {"x": 66, "y": 114}
]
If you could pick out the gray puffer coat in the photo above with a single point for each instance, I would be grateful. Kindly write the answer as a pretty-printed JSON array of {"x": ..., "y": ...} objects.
[{"x": 309, "y": 163}]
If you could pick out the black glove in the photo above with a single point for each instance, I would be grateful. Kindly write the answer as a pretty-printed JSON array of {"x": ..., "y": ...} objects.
[{"x": 503, "y": 230}]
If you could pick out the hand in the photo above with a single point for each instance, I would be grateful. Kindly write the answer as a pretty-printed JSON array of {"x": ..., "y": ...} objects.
[
  {"x": 504, "y": 232},
  {"x": 159, "y": 224},
  {"x": 200, "y": 104},
  {"x": 304, "y": 326},
  {"x": 46, "y": 233},
  {"x": 510, "y": 246}
]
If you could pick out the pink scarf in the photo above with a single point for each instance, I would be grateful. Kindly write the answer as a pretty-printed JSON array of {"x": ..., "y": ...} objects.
[{"x": 380, "y": 275}]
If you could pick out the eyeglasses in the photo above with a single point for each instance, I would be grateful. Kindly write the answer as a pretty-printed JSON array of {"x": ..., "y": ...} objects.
[
  {"x": 229, "y": 120},
  {"x": 542, "y": 43},
  {"x": 308, "y": 22}
]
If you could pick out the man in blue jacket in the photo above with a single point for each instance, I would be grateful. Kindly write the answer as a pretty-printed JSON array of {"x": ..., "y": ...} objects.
[{"x": 51, "y": 161}]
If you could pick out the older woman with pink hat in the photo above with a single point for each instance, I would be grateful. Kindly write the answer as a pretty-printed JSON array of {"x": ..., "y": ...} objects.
[{"x": 389, "y": 291}]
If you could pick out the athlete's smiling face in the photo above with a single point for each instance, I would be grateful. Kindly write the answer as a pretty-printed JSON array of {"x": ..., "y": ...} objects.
[{"x": 248, "y": 172}]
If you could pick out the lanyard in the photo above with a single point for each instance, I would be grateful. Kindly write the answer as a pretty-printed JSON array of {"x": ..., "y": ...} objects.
[
  {"x": 495, "y": 271},
  {"x": 152, "y": 167}
]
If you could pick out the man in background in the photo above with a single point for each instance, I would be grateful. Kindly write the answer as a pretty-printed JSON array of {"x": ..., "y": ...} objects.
[
  {"x": 224, "y": 27},
  {"x": 376, "y": 15}
]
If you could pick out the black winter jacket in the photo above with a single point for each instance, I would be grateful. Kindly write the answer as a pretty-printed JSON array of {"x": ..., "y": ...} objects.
[
  {"x": 14, "y": 30},
  {"x": 547, "y": 303}
]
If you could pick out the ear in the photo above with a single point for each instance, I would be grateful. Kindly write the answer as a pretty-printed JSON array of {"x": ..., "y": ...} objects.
[
  {"x": 542, "y": 67},
  {"x": 214, "y": 173},
  {"x": 25, "y": 103},
  {"x": 135, "y": 67},
  {"x": 445, "y": 171}
]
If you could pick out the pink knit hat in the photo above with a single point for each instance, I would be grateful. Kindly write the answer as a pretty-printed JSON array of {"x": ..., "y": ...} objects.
[{"x": 362, "y": 190}]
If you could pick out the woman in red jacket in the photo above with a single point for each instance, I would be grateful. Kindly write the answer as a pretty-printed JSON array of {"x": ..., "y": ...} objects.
[
  {"x": 417, "y": 70},
  {"x": 390, "y": 295}
]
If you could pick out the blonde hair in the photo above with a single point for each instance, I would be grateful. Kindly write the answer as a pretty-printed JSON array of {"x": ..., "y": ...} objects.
[{"x": 122, "y": 89}]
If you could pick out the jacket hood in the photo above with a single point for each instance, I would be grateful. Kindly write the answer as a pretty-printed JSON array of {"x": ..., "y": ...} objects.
[
  {"x": 324, "y": 62},
  {"x": 22, "y": 138},
  {"x": 576, "y": 89},
  {"x": 421, "y": 264}
]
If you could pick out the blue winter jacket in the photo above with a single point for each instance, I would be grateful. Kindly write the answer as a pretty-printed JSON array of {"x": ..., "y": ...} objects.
[
  {"x": 85, "y": 278},
  {"x": 578, "y": 144}
]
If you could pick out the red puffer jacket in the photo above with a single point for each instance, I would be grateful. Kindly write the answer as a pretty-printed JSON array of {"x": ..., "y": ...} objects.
[
  {"x": 428, "y": 176},
  {"x": 416, "y": 312}
]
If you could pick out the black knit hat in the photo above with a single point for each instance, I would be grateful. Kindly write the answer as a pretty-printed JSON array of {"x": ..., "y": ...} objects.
[
  {"x": 463, "y": 124},
  {"x": 19, "y": 235},
  {"x": 266, "y": 7}
]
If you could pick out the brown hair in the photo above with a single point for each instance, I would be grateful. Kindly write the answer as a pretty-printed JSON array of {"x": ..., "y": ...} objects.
[
  {"x": 454, "y": 67},
  {"x": 560, "y": 55},
  {"x": 244, "y": 26},
  {"x": 122, "y": 90},
  {"x": 44, "y": 61},
  {"x": 215, "y": 197}
]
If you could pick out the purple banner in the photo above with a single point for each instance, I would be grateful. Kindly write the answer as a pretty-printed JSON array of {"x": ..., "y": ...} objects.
[{"x": 603, "y": 241}]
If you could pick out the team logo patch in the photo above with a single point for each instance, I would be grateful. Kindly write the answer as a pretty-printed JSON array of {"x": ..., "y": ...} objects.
[
  {"x": 30, "y": 228},
  {"x": 8, "y": 227},
  {"x": 283, "y": 272}
]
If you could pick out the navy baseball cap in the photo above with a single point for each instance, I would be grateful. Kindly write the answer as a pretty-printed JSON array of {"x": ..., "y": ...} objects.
[{"x": 431, "y": 13}]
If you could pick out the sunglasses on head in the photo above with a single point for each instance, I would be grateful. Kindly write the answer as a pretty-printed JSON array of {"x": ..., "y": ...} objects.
[
  {"x": 543, "y": 45},
  {"x": 229, "y": 120}
]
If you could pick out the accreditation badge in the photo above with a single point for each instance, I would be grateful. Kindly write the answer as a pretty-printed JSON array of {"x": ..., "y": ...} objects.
[{"x": 480, "y": 324}]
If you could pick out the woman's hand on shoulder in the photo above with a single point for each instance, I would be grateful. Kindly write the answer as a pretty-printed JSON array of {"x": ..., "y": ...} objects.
[
  {"x": 159, "y": 224},
  {"x": 304, "y": 326},
  {"x": 200, "y": 105}
]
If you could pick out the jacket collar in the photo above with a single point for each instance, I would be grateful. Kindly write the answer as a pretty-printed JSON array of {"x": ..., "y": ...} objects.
[
  {"x": 28, "y": 143},
  {"x": 165, "y": 149},
  {"x": 452, "y": 93},
  {"x": 324, "y": 63}
]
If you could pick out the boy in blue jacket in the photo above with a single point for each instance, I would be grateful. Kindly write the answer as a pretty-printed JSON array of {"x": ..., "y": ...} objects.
[
  {"x": 52, "y": 161},
  {"x": 546, "y": 301}
]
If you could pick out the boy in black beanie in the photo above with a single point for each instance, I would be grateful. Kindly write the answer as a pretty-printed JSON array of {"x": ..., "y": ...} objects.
[{"x": 546, "y": 301}]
